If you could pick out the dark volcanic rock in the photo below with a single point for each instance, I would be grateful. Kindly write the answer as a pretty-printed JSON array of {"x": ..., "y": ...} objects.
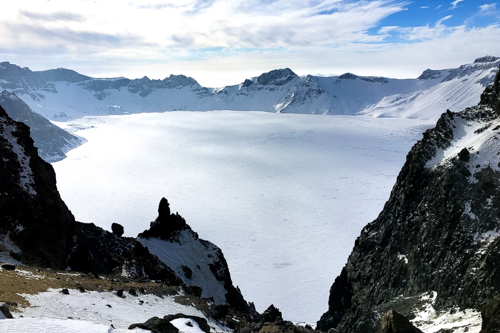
[
  {"x": 394, "y": 322},
  {"x": 166, "y": 224},
  {"x": 4, "y": 309},
  {"x": 490, "y": 313},
  {"x": 9, "y": 267},
  {"x": 277, "y": 77},
  {"x": 33, "y": 215},
  {"x": 272, "y": 314},
  {"x": 156, "y": 325},
  {"x": 436, "y": 233},
  {"x": 117, "y": 229},
  {"x": 101, "y": 252}
]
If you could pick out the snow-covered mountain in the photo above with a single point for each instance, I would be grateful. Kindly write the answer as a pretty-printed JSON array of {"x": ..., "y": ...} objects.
[
  {"x": 457, "y": 89},
  {"x": 62, "y": 94},
  {"x": 52, "y": 141}
]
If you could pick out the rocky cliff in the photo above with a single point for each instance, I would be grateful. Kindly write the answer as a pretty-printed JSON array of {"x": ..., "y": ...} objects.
[{"x": 435, "y": 244}]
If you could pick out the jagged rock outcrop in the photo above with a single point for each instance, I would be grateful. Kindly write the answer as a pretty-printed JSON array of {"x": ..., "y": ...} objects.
[
  {"x": 438, "y": 232},
  {"x": 52, "y": 142},
  {"x": 196, "y": 261}
]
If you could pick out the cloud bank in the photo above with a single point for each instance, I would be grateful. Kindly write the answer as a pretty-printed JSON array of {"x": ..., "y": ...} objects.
[{"x": 230, "y": 39}]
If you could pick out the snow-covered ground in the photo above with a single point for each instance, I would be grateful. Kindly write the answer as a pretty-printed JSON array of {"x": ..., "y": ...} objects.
[
  {"x": 94, "y": 311},
  {"x": 283, "y": 195}
]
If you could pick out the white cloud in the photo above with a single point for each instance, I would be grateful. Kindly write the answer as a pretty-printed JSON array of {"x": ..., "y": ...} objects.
[
  {"x": 455, "y": 3},
  {"x": 443, "y": 19},
  {"x": 197, "y": 23},
  {"x": 221, "y": 42},
  {"x": 488, "y": 7}
]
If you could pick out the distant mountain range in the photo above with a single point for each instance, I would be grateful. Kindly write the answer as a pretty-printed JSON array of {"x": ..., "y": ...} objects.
[
  {"x": 52, "y": 142},
  {"x": 62, "y": 94}
]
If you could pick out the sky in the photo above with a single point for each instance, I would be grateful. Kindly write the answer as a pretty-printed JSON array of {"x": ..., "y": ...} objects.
[{"x": 223, "y": 42}]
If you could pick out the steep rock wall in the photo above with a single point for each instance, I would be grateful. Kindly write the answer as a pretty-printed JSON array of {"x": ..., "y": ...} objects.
[{"x": 438, "y": 232}]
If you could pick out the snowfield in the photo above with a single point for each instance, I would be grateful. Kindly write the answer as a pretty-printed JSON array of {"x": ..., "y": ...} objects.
[
  {"x": 94, "y": 311},
  {"x": 283, "y": 195}
]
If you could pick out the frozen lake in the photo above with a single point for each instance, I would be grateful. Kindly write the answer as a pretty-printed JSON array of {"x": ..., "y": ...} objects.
[{"x": 283, "y": 195}]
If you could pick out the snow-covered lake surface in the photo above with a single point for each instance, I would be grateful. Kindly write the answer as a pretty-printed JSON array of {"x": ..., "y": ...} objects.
[{"x": 284, "y": 196}]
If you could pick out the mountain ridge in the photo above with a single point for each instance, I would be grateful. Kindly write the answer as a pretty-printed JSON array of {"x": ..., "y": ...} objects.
[{"x": 63, "y": 94}]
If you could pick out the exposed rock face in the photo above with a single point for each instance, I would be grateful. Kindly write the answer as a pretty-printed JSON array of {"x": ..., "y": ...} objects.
[
  {"x": 394, "y": 322},
  {"x": 490, "y": 313},
  {"x": 52, "y": 142},
  {"x": 34, "y": 217},
  {"x": 196, "y": 261},
  {"x": 438, "y": 232}
]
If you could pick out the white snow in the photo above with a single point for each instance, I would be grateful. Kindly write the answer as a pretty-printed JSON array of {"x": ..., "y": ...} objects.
[
  {"x": 283, "y": 195},
  {"x": 187, "y": 325},
  {"x": 379, "y": 97},
  {"x": 468, "y": 211},
  {"x": 434, "y": 97},
  {"x": 93, "y": 311},
  {"x": 483, "y": 147},
  {"x": 191, "y": 253},
  {"x": 50, "y": 325},
  {"x": 429, "y": 320},
  {"x": 403, "y": 257}
]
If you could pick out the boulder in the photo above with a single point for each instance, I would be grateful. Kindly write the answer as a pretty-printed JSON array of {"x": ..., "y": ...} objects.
[
  {"x": 4, "y": 310},
  {"x": 394, "y": 322},
  {"x": 156, "y": 325},
  {"x": 117, "y": 229}
]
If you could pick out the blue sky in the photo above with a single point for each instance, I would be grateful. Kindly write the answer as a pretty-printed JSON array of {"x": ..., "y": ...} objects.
[{"x": 220, "y": 42}]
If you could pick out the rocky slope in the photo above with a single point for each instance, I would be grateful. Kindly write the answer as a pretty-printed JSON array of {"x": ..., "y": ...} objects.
[
  {"x": 52, "y": 142},
  {"x": 435, "y": 245},
  {"x": 63, "y": 94}
]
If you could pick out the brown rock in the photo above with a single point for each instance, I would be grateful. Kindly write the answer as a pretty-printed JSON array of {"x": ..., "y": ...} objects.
[{"x": 394, "y": 322}]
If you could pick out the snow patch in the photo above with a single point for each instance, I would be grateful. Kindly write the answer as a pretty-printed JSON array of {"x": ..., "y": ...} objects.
[
  {"x": 190, "y": 252},
  {"x": 468, "y": 211},
  {"x": 51, "y": 325},
  {"x": 403, "y": 257},
  {"x": 430, "y": 321},
  {"x": 187, "y": 325},
  {"x": 481, "y": 140},
  {"x": 95, "y": 311}
]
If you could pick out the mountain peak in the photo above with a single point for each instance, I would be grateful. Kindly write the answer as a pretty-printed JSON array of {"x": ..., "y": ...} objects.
[
  {"x": 348, "y": 76},
  {"x": 486, "y": 59},
  {"x": 277, "y": 77},
  {"x": 174, "y": 81}
]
